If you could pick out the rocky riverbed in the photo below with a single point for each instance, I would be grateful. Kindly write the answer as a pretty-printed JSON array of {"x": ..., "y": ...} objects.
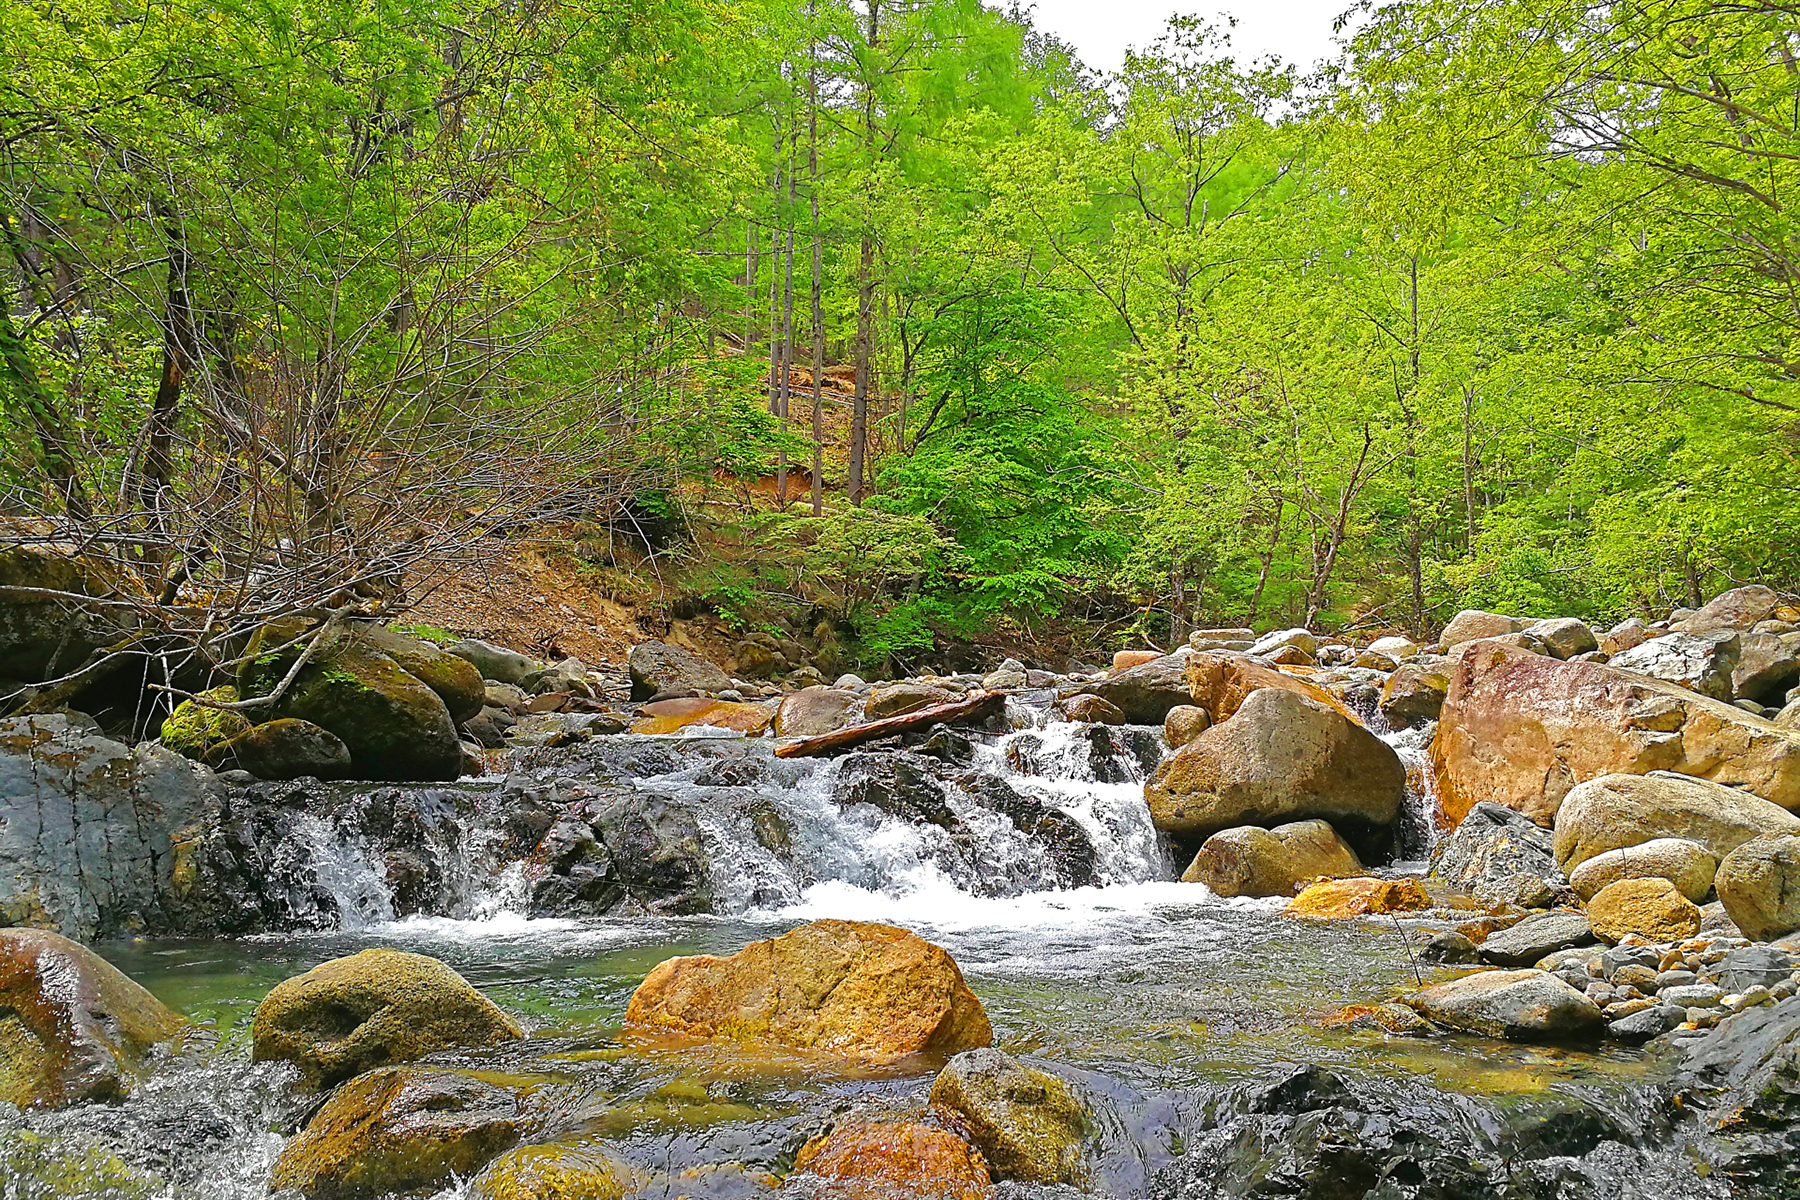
[{"x": 1507, "y": 915}]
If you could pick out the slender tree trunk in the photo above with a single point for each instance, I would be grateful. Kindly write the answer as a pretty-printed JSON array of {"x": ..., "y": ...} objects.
[
  {"x": 818, "y": 271},
  {"x": 156, "y": 465},
  {"x": 1268, "y": 558},
  {"x": 1339, "y": 525},
  {"x": 865, "y": 286},
  {"x": 787, "y": 317},
  {"x": 56, "y": 446},
  {"x": 1468, "y": 462}
]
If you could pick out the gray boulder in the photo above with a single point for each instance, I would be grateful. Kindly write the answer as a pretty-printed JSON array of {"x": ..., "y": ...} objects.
[
  {"x": 495, "y": 662},
  {"x": 1536, "y": 936},
  {"x": 1741, "y": 609},
  {"x": 1700, "y": 662},
  {"x": 91, "y": 830},
  {"x": 1528, "y": 1005},
  {"x": 1768, "y": 665},
  {"x": 1759, "y": 885},
  {"x": 1145, "y": 693},
  {"x": 287, "y": 748},
  {"x": 659, "y": 667},
  {"x": 1492, "y": 846}
]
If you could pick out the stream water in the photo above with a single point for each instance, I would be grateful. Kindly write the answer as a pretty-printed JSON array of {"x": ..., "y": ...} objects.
[{"x": 1153, "y": 997}]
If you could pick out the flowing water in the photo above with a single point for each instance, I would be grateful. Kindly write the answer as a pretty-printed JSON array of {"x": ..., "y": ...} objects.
[{"x": 1149, "y": 995}]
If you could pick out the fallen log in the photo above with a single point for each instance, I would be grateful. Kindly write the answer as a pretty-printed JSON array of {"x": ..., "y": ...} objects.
[{"x": 976, "y": 707}]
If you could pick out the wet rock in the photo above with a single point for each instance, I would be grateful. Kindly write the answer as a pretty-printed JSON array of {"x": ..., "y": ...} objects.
[
  {"x": 495, "y": 662},
  {"x": 1252, "y": 861},
  {"x": 96, "y": 838},
  {"x": 1759, "y": 884},
  {"x": 847, "y": 989},
  {"x": 1026, "y": 1122},
  {"x": 1564, "y": 637},
  {"x": 1472, "y": 624},
  {"x": 1618, "y": 811},
  {"x": 395, "y": 726},
  {"x": 287, "y": 748},
  {"x": 577, "y": 876},
  {"x": 947, "y": 746},
  {"x": 1686, "y": 864},
  {"x": 558, "y": 1171},
  {"x": 864, "y": 1159},
  {"x": 1449, "y": 947},
  {"x": 372, "y": 1009},
  {"x": 1007, "y": 676},
  {"x": 1492, "y": 845},
  {"x": 1413, "y": 695},
  {"x": 902, "y": 785},
  {"x": 1221, "y": 683},
  {"x": 1184, "y": 723},
  {"x": 1337, "y": 899},
  {"x": 1650, "y": 907},
  {"x": 670, "y": 716},
  {"x": 1522, "y": 730},
  {"x": 813, "y": 711},
  {"x": 1071, "y": 851},
  {"x": 194, "y": 728},
  {"x": 1743, "y": 1079},
  {"x": 657, "y": 850},
  {"x": 1700, "y": 662},
  {"x": 73, "y": 1028},
  {"x": 1093, "y": 708},
  {"x": 1147, "y": 691},
  {"x": 1536, "y": 936},
  {"x": 400, "y": 1129},
  {"x": 659, "y": 667},
  {"x": 1522, "y": 1005},
  {"x": 1280, "y": 758}
]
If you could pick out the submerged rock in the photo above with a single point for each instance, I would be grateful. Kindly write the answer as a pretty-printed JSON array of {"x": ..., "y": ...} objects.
[
  {"x": 73, "y": 1028},
  {"x": 557, "y": 1171},
  {"x": 847, "y": 988},
  {"x": 1252, "y": 861},
  {"x": 864, "y": 1159},
  {"x": 1522, "y": 1005},
  {"x": 372, "y": 1009},
  {"x": 1026, "y": 1122},
  {"x": 400, "y": 1129}
]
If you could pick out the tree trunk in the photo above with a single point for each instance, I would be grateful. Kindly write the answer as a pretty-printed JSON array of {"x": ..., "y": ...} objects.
[
  {"x": 865, "y": 287},
  {"x": 818, "y": 270},
  {"x": 1268, "y": 558},
  {"x": 156, "y": 465},
  {"x": 787, "y": 320}
]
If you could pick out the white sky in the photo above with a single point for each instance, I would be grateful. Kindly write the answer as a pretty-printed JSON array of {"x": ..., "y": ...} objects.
[{"x": 1297, "y": 31}]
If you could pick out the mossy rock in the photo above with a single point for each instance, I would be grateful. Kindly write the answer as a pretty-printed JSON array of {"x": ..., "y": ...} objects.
[
  {"x": 194, "y": 729},
  {"x": 1025, "y": 1122},
  {"x": 372, "y": 1009},
  {"x": 394, "y": 726},
  {"x": 400, "y": 1130},
  {"x": 286, "y": 748},
  {"x": 575, "y": 1171},
  {"x": 69, "y": 1167},
  {"x": 457, "y": 683},
  {"x": 39, "y": 632},
  {"x": 73, "y": 1028}
]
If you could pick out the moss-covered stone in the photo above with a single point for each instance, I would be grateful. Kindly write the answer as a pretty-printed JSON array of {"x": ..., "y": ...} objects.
[
  {"x": 73, "y": 1028},
  {"x": 400, "y": 1129},
  {"x": 394, "y": 726},
  {"x": 66, "y": 1167},
  {"x": 194, "y": 728},
  {"x": 457, "y": 683},
  {"x": 373, "y": 1009},
  {"x": 46, "y": 627},
  {"x": 572, "y": 1171},
  {"x": 1025, "y": 1122}
]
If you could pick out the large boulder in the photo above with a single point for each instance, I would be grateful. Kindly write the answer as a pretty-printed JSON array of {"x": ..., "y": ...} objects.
[
  {"x": 1147, "y": 691},
  {"x": 1220, "y": 682},
  {"x": 1767, "y": 667},
  {"x": 812, "y": 711},
  {"x": 903, "y": 696},
  {"x": 1759, "y": 884},
  {"x": 57, "y": 608},
  {"x": 1650, "y": 907},
  {"x": 1026, "y": 1122},
  {"x": 495, "y": 662},
  {"x": 457, "y": 682},
  {"x": 1492, "y": 850},
  {"x": 659, "y": 667},
  {"x": 1521, "y": 730},
  {"x": 1564, "y": 637},
  {"x": 1617, "y": 811},
  {"x": 372, "y": 1009},
  {"x": 671, "y": 716},
  {"x": 1686, "y": 864},
  {"x": 393, "y": 724},
  {"x": 1472, "y": 624},
  {"x": 844, "y": 988},
  {"x": 1252, "y": 861},
  {"x": 1533, "y": 1006},
  {"x": 655, "y": 845},
  {"x": 288, "y": 748},
  {"x": 73, "y": 1028},
  {"x": 1413, "y": 694},
  {"x": 1700, "y": 662},
  {"x": 96, "y": 838},
  {"x": 1741, "y": 609},
  {"x": 1280, "y": 757},
  {"x": 873, "y": 1159},
  {"x": 400, "y": 1130}
]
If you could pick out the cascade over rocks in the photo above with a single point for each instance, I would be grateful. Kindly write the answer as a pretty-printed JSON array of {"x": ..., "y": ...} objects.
[
  {"x": 842, "y": 988},
  {"x": 1521, "y": 729},
  {"x": 73, "y": 1028},
  {"x": 373, "y": 1009},
  {"x": 1280, "y": 757}
]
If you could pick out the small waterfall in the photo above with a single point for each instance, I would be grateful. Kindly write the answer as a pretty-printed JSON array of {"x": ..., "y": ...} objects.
[{"x": 1416, "y": 829}]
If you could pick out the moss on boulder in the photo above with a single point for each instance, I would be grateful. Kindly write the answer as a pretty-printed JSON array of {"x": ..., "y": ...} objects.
[
  {"x": 195, "y": 728},
  {"x": 573, "y": 1171},
  {"x": 457, "y": 683},
  {"x": 1025, "y": 1122}
]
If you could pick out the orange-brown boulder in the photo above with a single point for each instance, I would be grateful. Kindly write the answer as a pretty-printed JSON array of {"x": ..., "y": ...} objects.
[
  {"x": 887, "y": 1160},
  {"x": 1363, "y": 896},
  {"x": 1220, "y": 682},
  {"x": 844, "y": 988},
  {"x": 668, "y": 716},
  {"x": 1124, "y": 660},
  {"x": 1521, "y": 729}
]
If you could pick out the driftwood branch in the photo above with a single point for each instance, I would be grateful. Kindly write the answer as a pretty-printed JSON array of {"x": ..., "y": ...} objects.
[{"x": 976, "y": 707}]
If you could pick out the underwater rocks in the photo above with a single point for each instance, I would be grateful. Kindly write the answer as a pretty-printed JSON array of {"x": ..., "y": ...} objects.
[
  {"x": 73, "y": 1028},
  {"x": 843, "y": 988},
  {"x": 373, "y": 1009},
  {"x": 873, "y": 1159},
  {"x": 556, "y": 1171}
]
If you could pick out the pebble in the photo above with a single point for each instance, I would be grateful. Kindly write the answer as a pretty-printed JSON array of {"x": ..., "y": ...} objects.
[
  {"x": 1634, "y": 976},
  {"x": 1669, "y": 979},
  {"x": 1693, "y": 995},
  {"x": 1625, "y": 1008}
]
